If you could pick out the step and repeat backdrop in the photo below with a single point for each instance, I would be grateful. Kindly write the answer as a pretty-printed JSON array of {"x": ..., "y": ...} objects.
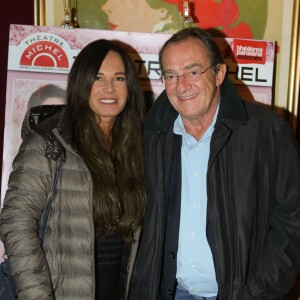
[{"x": 41, "y": 56}]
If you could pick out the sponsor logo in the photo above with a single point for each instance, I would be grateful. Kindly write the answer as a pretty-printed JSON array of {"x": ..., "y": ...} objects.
[
  {"x": 249, "y": 51},
  {"x": 45, "y": 52}
]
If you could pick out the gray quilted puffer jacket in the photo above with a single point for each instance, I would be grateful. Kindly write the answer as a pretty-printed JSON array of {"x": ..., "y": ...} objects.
[{"x": 63, "y": 268}]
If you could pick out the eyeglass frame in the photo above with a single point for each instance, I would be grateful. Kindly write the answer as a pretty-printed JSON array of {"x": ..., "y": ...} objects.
[{"x": 185, "y": 76}]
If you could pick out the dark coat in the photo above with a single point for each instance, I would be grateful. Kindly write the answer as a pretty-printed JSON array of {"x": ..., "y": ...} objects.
[{"x": 253, "y": 209}]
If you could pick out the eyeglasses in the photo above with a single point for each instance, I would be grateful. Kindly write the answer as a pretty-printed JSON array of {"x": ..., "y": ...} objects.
[{"x": 192, "y": 75}]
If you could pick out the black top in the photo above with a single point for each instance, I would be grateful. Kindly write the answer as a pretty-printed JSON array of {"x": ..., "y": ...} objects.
[{"x": 108, "y": 259}]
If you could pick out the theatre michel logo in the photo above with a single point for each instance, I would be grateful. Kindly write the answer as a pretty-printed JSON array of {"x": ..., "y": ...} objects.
[{"x": 44, "y": 52}]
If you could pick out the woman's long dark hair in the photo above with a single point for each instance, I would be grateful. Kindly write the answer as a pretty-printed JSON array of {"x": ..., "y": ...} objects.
[{"x": 118, "y": 178}]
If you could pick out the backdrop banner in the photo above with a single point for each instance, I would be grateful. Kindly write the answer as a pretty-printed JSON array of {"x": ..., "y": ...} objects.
[{"x": 39, "y": 56}]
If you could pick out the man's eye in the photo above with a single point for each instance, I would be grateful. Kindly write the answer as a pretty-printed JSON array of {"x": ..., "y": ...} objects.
[
  {"x": 194, "y": 73},
  {"x": 169, "y": 77}
]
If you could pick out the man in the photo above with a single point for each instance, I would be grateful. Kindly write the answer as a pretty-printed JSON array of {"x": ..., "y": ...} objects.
[{"x": 223, "y": 183}]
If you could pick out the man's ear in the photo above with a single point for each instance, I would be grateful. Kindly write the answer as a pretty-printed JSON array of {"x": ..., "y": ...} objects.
[{"x": 220, "y": 74}]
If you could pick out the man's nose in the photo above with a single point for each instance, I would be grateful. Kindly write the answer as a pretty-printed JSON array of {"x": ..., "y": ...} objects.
[{"x": 182, "y": 83}]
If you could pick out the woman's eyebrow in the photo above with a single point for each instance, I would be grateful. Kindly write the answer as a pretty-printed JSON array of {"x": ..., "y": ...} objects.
[{"x": 116, "y": 73}]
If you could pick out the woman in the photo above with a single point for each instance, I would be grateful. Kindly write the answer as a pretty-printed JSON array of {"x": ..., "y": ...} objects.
[{"x": 98, "y": 202}]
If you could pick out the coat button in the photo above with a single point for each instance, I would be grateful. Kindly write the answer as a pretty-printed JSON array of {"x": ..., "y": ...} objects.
[
  {"x": 172, "y": 255},
  {"x": 170, "y": 292}
]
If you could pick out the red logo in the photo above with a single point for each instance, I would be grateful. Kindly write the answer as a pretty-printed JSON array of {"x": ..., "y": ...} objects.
[
  {"x": 44, "y": 54},
  {"x": 249, "y": 51}
]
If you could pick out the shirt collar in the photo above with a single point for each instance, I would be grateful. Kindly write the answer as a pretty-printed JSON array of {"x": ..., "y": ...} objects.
[{"x": 179, "y": 129}]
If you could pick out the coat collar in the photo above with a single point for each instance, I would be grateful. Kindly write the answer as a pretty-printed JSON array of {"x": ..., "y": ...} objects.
[{"x": 232, "y": 107}]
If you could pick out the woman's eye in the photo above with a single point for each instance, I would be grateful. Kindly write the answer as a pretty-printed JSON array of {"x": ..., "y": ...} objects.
[
  {"x": 120, "y": 78},
  {"x": 98, "y": 78}
]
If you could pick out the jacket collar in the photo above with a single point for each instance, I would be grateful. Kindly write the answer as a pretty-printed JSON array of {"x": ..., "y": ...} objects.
[
  {"x": 232, "y": 107},
  {"x": 53, "y": 123},
  {"x": 45, "y": 118}
]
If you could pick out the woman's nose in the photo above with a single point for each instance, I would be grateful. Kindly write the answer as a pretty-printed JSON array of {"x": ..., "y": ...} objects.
[{"x": 108, "y": 85}]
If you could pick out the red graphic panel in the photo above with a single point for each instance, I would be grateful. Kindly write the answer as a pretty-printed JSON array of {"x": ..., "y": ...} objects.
[
  {"x": 44, "y": 54},
  {"x": 249, "y": 51}
]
